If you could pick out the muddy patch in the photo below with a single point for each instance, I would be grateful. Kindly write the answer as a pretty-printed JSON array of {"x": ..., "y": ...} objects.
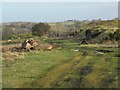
[
  {"x": 85, "y": 70},
  {"x": 79, "y": 81},
  {"x": 117, "y": 55},
  {"x": 105, "y": 51}
]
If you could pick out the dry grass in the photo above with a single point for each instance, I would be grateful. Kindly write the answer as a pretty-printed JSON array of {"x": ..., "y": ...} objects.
[{"x": 13, "y": 55}]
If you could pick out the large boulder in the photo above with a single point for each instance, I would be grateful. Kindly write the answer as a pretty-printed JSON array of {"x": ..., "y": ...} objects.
[{"x": 29, "y": 44}]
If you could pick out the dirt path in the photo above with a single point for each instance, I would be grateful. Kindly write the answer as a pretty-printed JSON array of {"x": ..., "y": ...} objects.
[
  {"x": 58, "y": 73},
  {"x": 53, "y": 77}
]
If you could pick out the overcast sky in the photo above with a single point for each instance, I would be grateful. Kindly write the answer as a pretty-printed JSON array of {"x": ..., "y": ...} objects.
[
  {"x": 59, "y": 0},
  {"x": 59, "y": 11}
]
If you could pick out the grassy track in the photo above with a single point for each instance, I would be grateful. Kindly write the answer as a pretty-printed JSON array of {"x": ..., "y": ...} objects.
[{"x": 63, "y": 68}]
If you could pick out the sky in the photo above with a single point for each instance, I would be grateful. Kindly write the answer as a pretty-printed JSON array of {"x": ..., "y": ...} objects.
[
  {"x": 59, "y": 0},
  {"x": 57, "y": 11}
]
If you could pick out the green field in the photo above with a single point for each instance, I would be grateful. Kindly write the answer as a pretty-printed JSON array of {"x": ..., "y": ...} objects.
[{"x": 73, "y": 65}]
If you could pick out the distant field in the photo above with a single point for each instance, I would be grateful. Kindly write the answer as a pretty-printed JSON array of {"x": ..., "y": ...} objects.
[
  {"x": 63, "y": 23},
  {"x": 71, "y": 66}
]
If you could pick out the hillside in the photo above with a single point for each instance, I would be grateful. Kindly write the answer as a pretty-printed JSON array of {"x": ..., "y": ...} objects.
[{"x": 100, "y": 30}]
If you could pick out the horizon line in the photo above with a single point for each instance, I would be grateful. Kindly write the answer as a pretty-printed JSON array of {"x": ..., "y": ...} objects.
[{"x": 58, "y": 21}]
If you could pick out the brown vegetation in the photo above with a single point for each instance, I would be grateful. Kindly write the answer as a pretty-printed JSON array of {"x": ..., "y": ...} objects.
[
  {"x": 12, "y": 56},
  {"x": 28, "y": 45}
]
